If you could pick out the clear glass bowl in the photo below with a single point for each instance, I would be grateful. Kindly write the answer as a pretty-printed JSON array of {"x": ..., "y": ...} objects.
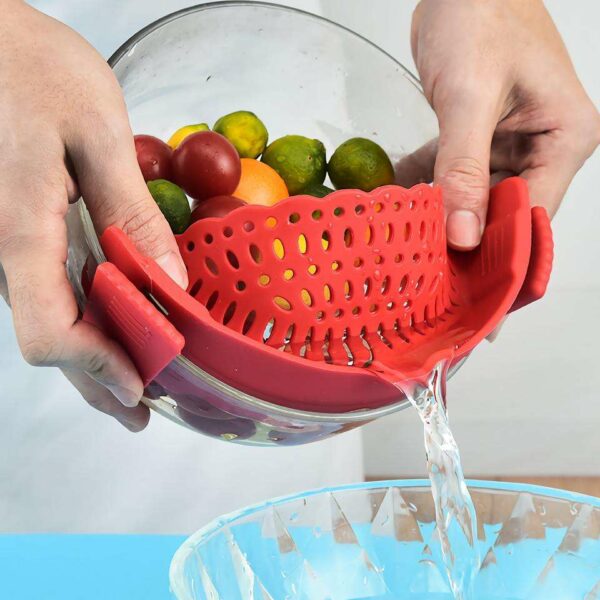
[
  {"x": 301, "y": 74},
  {"x": 378, "y": 540}
]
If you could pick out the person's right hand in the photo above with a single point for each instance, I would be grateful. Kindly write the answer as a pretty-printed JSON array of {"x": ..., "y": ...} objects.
[
  {"x": 64, "y": 131},
  {"x": 508, "y": 102}
]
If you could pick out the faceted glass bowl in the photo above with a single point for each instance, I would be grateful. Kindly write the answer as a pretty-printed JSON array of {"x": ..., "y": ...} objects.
[
  {"x": 302, "y": 74},
  {"x": 379, "y": 540}
]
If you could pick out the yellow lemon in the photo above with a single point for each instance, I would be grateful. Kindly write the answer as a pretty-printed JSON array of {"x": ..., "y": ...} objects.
[{"x": 184, "y": 131}]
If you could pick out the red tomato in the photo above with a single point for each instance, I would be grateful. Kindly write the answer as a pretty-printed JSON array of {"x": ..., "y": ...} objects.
[
  {"x": 206, "y": 164},
  {"x": 154, "y": 157},
  {"x": 218, "y": 206}
]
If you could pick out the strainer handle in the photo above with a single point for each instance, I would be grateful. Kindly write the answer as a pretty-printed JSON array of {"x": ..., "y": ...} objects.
[
  {"x": 125, "y": 315},
  {"x": 540, "y": 261}
]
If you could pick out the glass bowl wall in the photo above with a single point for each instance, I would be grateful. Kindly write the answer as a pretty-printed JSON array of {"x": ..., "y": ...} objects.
[
  {"x": 302, "y": 74},
  {"x": 378, "y": 540}
]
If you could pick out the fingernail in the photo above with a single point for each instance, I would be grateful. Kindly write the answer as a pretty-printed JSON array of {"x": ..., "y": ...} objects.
[
  {"x": 125, "y": 396},
  {"x": 173, "y": 266},
  {"x": 463, "y": 229}
]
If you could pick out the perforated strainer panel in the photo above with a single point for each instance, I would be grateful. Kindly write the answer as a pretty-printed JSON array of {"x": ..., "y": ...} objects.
[
  {"x": 303, "y": 278},
  {"x": 350, "y": 280}
]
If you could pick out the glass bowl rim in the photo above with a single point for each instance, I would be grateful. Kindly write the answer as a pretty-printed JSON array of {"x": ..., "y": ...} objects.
[
  {"x": 166, "y": 19},
  {"x": 94, "y": 244},
  {"x": 176, "y": 570}
]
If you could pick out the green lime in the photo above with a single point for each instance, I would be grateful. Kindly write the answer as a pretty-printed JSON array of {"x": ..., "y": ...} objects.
[
  {"x": 245, "y": 131},
  {"x": 360, "y": 164},
  {"x": 299, "y": 160},
  {"x": 173, "y": 203},
  {"x": 318, "y": 190}
]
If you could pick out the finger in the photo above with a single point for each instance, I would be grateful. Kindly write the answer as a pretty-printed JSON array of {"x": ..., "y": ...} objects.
[
  {"x": 508, "y": 154},
  {"x": 45, "y": 312},
  {"x": 115, "y": 193},
  {"x": 547, "y": 186},
  {"x": 511, "y": 151},
  {"x": 133, "y": 418},
  {"x": 499, "y": 176},
  {"x": 417, "y": 167},
  {"x": 467, "y": 122},
  {"x": 415, "y": 25},
  {"x": 551, "y": 168}
]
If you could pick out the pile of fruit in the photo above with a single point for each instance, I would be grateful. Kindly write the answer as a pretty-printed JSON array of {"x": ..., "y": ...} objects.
[{"x": 232, "y": 165}]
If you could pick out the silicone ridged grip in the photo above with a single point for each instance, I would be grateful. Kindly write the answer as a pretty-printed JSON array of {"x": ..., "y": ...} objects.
[
  {"x": 122, "y": 312},
  {"x": 540, "y": 261}
]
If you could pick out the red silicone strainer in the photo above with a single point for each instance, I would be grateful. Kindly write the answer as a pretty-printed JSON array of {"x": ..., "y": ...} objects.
[{"x": 324, "y": 304}]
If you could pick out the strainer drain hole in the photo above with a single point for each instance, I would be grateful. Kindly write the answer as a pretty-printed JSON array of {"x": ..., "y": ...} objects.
[
  {"x": 212, "y": 300},
  {"x": 249, "y": 321},
  {"x": 211, "y": 265},
  {"x": 196, "y": 287},
  {"x": 233, "y": 259},
  {"x": 229, "y": 313},
  {"x": 255, "y": 253}
]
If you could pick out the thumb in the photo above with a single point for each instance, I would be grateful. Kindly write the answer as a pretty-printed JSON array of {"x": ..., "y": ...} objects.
[
  {"x": 462, "y": 166},
  {"x": 115, "y": 193}
]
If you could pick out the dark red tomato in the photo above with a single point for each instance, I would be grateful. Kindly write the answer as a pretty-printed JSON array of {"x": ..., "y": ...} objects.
[
  {"x": 219, "y": 206},
  {"x": 206, "y": 164},
  {"x": 154, "y": 157}
]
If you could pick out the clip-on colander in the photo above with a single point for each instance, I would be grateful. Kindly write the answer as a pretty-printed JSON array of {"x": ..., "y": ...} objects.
[{"x": 285, "y": 302}]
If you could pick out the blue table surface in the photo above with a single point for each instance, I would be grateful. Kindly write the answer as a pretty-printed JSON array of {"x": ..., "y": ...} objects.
[{"x": 86, "y": 567}]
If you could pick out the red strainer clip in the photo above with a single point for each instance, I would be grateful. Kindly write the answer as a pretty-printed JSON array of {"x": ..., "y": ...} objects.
[{"x": 285, "y": 302}]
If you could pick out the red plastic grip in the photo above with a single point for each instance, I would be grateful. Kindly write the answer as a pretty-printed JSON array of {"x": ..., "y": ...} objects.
[
  {"x": 122, "y": 312},
  {"x": 540, "y": 261}
]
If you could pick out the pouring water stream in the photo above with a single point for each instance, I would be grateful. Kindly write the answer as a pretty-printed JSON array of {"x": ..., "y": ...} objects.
[{"x": 455, "y": 513}]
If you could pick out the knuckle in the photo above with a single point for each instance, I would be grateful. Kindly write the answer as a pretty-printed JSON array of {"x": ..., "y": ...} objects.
[
  {"x": 466, "y": 180},
  {"x": 96, "y": 365},
  {"x": 466, "y": 169},
  {"x": 39, "y": 350},
  {"x": 464, "y": 174},
  {"x": 8, "y": 238},
  {"x": 144, "y": 223}
]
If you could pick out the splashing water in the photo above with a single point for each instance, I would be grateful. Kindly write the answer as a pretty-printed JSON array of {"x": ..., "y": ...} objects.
[{"x": 455, "y": 514}]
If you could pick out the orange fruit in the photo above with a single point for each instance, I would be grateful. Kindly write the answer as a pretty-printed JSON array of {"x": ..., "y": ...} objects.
[{"x": 260, "y": 184}]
